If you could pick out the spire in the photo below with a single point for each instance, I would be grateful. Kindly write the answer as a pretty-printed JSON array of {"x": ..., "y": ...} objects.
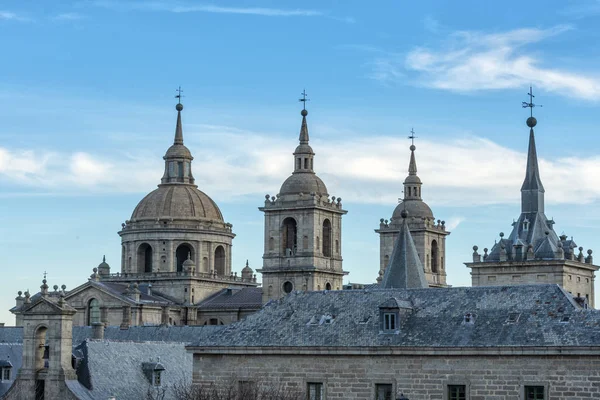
[
  {"x": 405, "y": 270},
  {"x": 412, "y": 183},
  {"x": 532, "y": 191},
  {"x": 303, "y": 155},
  {"x": 178, "y": 129}
]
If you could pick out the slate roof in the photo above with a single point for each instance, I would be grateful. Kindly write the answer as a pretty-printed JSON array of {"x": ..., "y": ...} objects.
[
  {"x": 437, "y": 319},
  {"x": 244, "y": 298},
  {"x": 116, "y": 368},
  {"x": 10, "y": 352}
]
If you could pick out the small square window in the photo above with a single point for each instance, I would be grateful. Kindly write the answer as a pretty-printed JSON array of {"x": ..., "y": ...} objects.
[
  {"x": 457, "y": 392},
  {"x": 534, "y": 393},
  {"x": 383, "y": 391},
  {"x": 389, "y": 321},
  {"x": 315, "y": 391}
]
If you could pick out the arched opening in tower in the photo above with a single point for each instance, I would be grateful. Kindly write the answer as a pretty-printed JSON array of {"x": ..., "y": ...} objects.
[
  {"x": 40, "y": 348},
  {"x": 288, "y": 239},
  {"x": 220, "y": 261},
  {"x": 181, "y": 254},
  {"x": 434, "y": 257},
  {"x": 327, "y": 238},
  {"x": 144, "y": 256},
  {"x": 93, "y": 312}
]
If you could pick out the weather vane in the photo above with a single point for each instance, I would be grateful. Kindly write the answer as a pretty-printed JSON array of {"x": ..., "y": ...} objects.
[
  {"x": 179, "y": 90},
  {"x": 304, "y": 99},
  {"x": 530, "y": 104},
  {"x": 412, "y": 136}
]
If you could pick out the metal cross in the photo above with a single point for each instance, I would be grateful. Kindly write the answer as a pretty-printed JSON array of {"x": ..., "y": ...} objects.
[
  {"x": 304, "y": 99},
  {"x": 530, "y": 104},
  {"x": 179, "y": 90},
  {"x": 412, "y": 136}
]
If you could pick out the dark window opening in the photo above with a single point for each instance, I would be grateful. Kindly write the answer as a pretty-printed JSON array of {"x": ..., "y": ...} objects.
[
  {"x": 534, "y": 393},
  {"x": 289, "y": 239},
  {"x": 93, "y": 312},
  {"x": 457, "y": 392},
  {"x": 434, "y": 257},
  {"x": 220, "y": 260},
  {"x": 181, "y": 254},
  {"x": 315, "y": 391},
  {"x": 328, "y": 286},
  {"x": 306, "y": 163},
  {"x": 383, "y": 391},
  {"x": 389, "y": 321},
  {"x": 327, "y": 238},
  {"x": 145, "y": 258},
  {"x": 288, "y": 287}
]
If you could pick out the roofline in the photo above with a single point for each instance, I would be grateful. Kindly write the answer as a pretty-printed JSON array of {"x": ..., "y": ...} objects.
[
  {"x": 402, "y": 351},
  {"x": 525, "y": 264}
]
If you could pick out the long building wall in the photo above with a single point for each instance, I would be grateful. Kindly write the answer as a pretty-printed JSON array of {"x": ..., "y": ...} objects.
[{"x": 486, "y": 377}]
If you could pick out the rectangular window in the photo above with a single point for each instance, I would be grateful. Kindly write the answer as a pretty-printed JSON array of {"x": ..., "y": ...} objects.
[
  {"x": 534, "y": 393},
  {"x": 180, "y": 169},
  {"x": 457, "y": 392},
  {"x": 383, "y": 391},
  {"x": 157, "y": 378},
  {"x": 389, "y": 321},
  {"x": 315, "y": 391}
]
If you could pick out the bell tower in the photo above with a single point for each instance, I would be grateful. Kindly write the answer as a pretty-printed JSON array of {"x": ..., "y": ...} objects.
[{"x": 303, "y": 230}]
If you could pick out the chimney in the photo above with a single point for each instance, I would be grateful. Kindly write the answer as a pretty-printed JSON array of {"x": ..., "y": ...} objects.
[
  {"x": 98, "y": 330},
  {"x": 164, "y": 316},
  {"x": 126, "y": 317}
]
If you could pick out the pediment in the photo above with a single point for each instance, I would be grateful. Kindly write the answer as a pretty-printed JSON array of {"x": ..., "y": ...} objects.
[{"x": 43, "y": 306}]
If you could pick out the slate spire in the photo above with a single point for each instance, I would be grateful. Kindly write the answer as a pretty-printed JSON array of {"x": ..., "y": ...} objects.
[
  {"x": 412, "y": 183},
  {"x": 304, "y": 154},
  {"x": 178, "y": 129},
  {"x": 532, "y": 191},
  {"x": 405, "y": 270}
]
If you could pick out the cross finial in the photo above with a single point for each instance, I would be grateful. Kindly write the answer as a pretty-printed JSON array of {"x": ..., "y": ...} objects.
[
  {"x": 530, "y": 104},
  {"x": 412, "y": 136},
  {"x": 178, "y": 96},
  {"x": 304, "y": 99}
]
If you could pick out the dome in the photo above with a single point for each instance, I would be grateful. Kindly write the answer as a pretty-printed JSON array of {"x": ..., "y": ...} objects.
[
  {"x": 415, "y": 209},
  {"x": 179, "y": 202},
  {"x": 412, "y": 179},
  {"x": 178, "y": 151},
  {"x": 303, "y": 183}
]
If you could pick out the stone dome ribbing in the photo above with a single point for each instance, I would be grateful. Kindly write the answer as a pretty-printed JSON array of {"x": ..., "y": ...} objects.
[
  {"x": 305, "y": 183},
  {"x": 415, "y": 209},
  {"x": 178, "y": 202}
]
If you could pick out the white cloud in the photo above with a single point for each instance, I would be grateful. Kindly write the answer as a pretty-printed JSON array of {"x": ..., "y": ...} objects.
[
  {"x": 473, "y": 61},
  {"x": 461, "y": 172},
  {"x": 185, "y": 7},
  {"x": 11, "y": 16},
  {"x": 70, "y": 16}
]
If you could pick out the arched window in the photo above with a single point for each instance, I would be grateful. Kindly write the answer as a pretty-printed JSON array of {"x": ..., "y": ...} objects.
[
  {"x": 328, "y": 286},
  {"x": 434, "y": 257},
  {"x": 220, "y": 260},
  {"x": 327, "y": 238},
  {"x": 144, "y": 257},
  {"x": 305, "y": 243},
  {"x": 288, "y": 237},
  {"x": 40, "y": 348},
  {"x": 93, "y": 312},
  {"x": 182, "y": 253}
]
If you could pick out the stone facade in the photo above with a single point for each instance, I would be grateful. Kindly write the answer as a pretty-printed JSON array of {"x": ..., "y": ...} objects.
[
  {"x": 419, "y": 375},
  {"x": 303, "y": 231},
  {"x": 429, "y": 236}
]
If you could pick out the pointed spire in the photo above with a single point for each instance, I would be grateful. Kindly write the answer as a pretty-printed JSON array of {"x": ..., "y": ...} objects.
[
  {"x": 532, "y": 191},
  {"x": 304, "y": 128},
  {"x": 404, "y": 270},
  {"x": 412, "y": 183},
  {"x": 412, "y": 166},
  {"x": 178, "y": 129}
]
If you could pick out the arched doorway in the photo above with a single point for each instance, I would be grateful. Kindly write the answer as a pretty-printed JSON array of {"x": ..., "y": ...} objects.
[
  {"x": 93, "y": 312},
  {"x": 144, "y": 258},
  {"x": 181, "y": 254},
  {"x": 434, "y": 257},
  {"x": 220, "y": 260},
  {"x": 288, "y": 237},
  {"x": 327, "y": 238}
]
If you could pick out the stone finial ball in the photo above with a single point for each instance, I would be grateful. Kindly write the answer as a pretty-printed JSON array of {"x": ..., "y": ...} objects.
[
  {"x": 55, "y": 287},
  {"x": 413, "y": 147},
  {"x": 304, "y": 113},
  {"x": 63, "y": 287},
  {"x": 475, "y": 248},
  {"x": 179, "y": 107},
  {"x": 95, "y": 269},
  {"x": 501, "y": 234},
  {"x": 531, "y": 122},
  {"x": 404, "y": 214},
  {"x": 581, "y": 249},
  {"x": 590, "y": 252}
]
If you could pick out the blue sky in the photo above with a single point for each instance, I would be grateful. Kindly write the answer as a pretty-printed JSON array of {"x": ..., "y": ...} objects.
[{"x": 87, "y": 112}]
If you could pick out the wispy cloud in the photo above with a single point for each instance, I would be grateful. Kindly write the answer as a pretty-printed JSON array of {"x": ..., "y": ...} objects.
[
  {"x": 70, "y": 16},
  {"x": 11, "y": 16},
  {"x": 473, "y": 61},
  {"x": 181, "y": 7},
  {"x": 360, "y": 171}
]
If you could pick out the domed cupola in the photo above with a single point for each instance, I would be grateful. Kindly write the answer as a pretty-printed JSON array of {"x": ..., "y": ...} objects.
[
  {"x": 429, "y": 236},
  {"x": 177, "y": 231},
  {"x": 304, "y": 179}
]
